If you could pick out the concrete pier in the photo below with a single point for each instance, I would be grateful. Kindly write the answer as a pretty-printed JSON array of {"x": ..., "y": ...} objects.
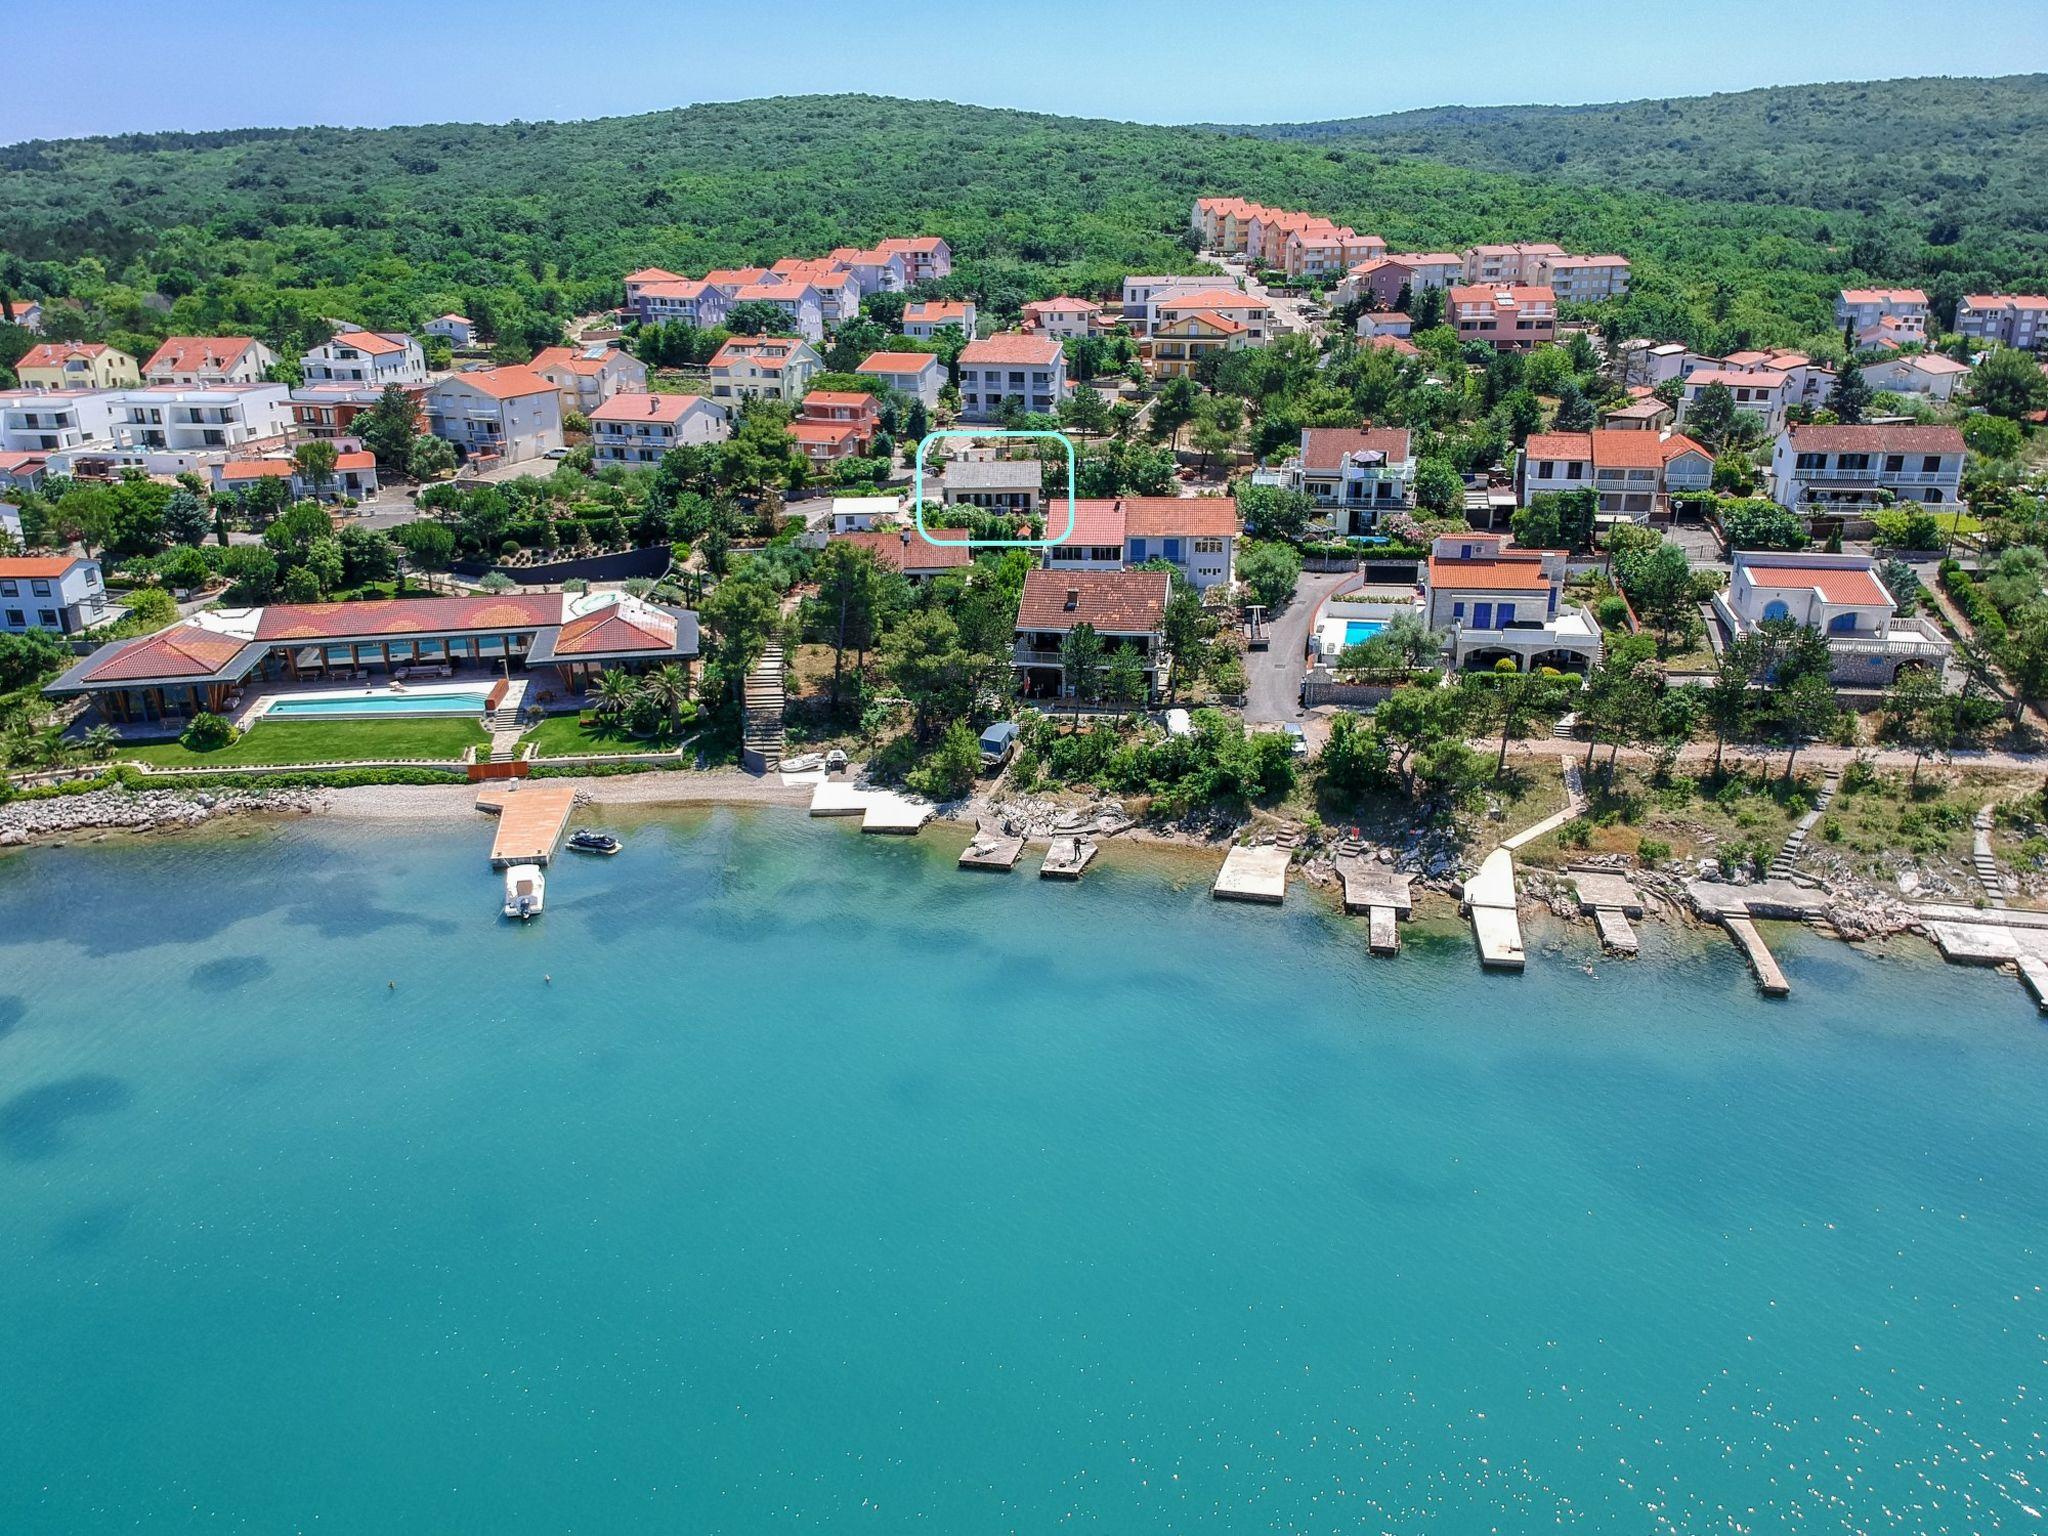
[
  {"x": 1382, "y": 936},
  {"x": 531, "y": 819},
  {"x": 1769, "y": 979},
  {"x": 879, "y": 810},
  {"x": 1612, "y": 901},
  {"x": 1380, "y": 892},
  {"x": 1490, "y": 901},
  {"x": 992, "y": 850},
  {"x": 1253, "y": 874},
  {"x": 1066, "y": 858},
  {"x": 1616, "y": 935},
  {"x": 2034, "y": 972}
]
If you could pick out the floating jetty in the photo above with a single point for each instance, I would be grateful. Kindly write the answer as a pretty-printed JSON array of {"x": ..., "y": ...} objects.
[
  {"x": 1066, "y": 858},
  {"x": 531, "y": 819},
  {"x": 1380, "y": 892},
  {"x": 1612, "y": 901},
  {"x": 1490, "y": 901},
  {"x": 992, "y": 850},
  {"x": 1253, "y": 874}
]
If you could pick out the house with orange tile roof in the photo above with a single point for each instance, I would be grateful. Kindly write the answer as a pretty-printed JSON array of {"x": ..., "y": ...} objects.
[
  {"x": 876, "y": 270},
  {"x": 926, "y": 258},
  {"x": 658, "y": 297},
  {"x": 639, "y": 428},
  {"x": 1254, "y": 315},
  {"x": 496, "y": 415},
  {"x": 1918, "y": 373},
  {"x": 1096, "y": 540},
  {"x": 1833, "y": 468},
  {"x": 2010, "y": 319},
  {"x": 59, "y": 593},
  {"x": 209, "y": 660},
  {"x": 24, "y": 312},
  {"x": 76, "y": 365},
  {"x": 1633, "y": 472},
  {"x": 764, "y": 368},
  {"x": 923, "y": 319},
  {"x": 587, "y": 375},
  {"x": 209, "y": 360},
  {"x": 1032, "y": 370},
  {"x": 837, "y": 289},
  {"x": 459, "y": 331},
  {"x": 22, "y": 472},
  {"x": 1506, "y": 317},
  {"x": 1764, "y": 393},
  {"x": 918, "y": 374},
  {"x": 372, "y": 358},
  {"x": 1493, "y": 601},
  {"x": 1126, "y": 609},
  {"x": 1181, "y": 344},
  {"x": 1520, "y": 263},
  {"x": 1843, "y": 597},
  {"x": 844, "y": 407},
  {"x": 1065, "y": 317},
  {"x": 354, "y": 476},
  {"x": 905, "y": 549},
  {"x": 1868, "y": 308},
  {"x": 1195, "y": 534}
]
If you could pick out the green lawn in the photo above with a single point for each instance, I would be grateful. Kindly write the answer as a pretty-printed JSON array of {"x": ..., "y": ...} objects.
[
  {"x": 270, "y": 742},
  {"x": 576, "y": 735}
]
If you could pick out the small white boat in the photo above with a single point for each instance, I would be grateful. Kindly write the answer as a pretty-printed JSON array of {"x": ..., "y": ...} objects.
[{"x": 524, "y": 887}]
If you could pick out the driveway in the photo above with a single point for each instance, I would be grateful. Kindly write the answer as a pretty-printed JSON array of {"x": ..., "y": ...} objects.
[
  {"x": 1273, "y": 676},
  {"x": 1287, "y": 315}
]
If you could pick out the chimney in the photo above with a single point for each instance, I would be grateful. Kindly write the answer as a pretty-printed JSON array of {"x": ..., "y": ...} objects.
[{"x": 1073, "y": 598}]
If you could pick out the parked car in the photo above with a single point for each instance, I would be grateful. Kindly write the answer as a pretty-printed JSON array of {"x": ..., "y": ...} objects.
[
  {"x": 997, "y": 743},
  {"x": 556, "y": 453},
  {"x": 1297, "y": 738}
]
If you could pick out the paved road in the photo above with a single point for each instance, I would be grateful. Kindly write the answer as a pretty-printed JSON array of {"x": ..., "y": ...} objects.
[
  {"x": 1287, "y": 315},
  {"x": 1273, "y": 676}
]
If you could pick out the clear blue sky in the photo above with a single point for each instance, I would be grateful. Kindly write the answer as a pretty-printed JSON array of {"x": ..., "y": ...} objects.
[{"x": 120, "y": 65}]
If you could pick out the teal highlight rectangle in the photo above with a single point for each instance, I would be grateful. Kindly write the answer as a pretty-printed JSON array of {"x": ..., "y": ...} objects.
[{"x": 917, "y": 491}]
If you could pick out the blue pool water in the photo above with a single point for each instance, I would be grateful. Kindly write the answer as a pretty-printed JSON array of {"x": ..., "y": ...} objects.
[
  {"x": 826, "y": 1189},
  {"x": 1357, "y": 631},
  {"x": 440, "y": 701}
]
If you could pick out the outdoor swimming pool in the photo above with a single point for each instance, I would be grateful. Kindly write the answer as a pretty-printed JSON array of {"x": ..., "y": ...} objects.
[
  {"x": 1357, "y": 631},
  {"x": 382, "y": 701}
]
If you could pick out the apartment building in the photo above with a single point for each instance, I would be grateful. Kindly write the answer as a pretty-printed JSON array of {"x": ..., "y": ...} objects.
[
  {"x": 498, "y": 415},
  {"x": 1496, "y": 603},
  {"x": 2010, "y": 319},
  {"x": 1361, "y": 474},
  {"x": 52, "y": 420},
  {"x": 926, "y": 258},
  {"x": 853, "y": 409},
  {"x": 924, "y": 319},
  {"x": 635, "y": 428},
  {"x": 330, "y": 410},
  {"x": 375, "y": 358},
  {"x": 876, "y": 270},
  {"x": 837, "y": 289},
  {"x": 660, "y": 297},
  {"x": 1394, "y": 280},
  {"x": 1031, "y": 370},
  {"x": 1254, "y": 315},
  {"x": 917, "y": 374},
  {"x": 76, "y": 365},
  {"x": 1633, "y": 472},
  {"x": 1126, "y": 609},
  {"x": 59, "y": 593},
  {"x": 1832, "y": 468},
  {"x": 1763, "y": 393},
  {"x": 209, "y": 360},
  {"x": 459, "y": 331},
  {"x": 1507, "y": 266},
  {"x": 202, "y": 418},
  {"x": 588, "y": 375},
  {"x": 1143, "y": 295},
  {"x": 1900, "y": 309},
  {"x": 764, "y": 368},
  {"x": 1508, "y": 319},
  {"x": 1586, "y": 279}
]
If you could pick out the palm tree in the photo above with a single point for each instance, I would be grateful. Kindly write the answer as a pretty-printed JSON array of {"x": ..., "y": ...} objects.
[
  {"x": 100, "y": 741},
  {"x": 668, "y": 686},
  {"x": 615, "y": 691}
]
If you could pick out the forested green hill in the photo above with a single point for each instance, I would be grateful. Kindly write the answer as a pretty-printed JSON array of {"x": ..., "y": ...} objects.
[
  {"x": 1953, "y": 158},
  {"x": 533, "y": 222}
]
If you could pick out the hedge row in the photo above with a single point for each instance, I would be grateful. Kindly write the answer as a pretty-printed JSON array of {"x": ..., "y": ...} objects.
[{"x": 1976, "y": 607}]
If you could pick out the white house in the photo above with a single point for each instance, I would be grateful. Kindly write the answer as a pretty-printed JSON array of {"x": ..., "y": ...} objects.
[
  {"x": 1762, "y": 394},
  {"x": 1197, "y": 535},
  {"x": 54, "y": 592},
  {"x": 1031, "y": 370},
  {"x": 1065, "y": 317},
  {"x": 1843, "y": 597},
  {"x": 926, "y": 318},
  {"x": 860, "y": 514},
  {"x": 1361, "y": 473},
  {"x": 1142, "y": 296},
  {"x": 457, "y": 330},
  {"x": 764, "y": 368},
  {"x": 640, "y": 428},
  {"x": 1494, "y": 602},
  {"x": 354, "y": 476},
  {"x": 1820, "y": 468},
  {"x": 587, "y": 376},
  {"x": 503, "y": 415},
  {"x": 375, "y": 358},
  {"x": 50, "y": 420},
  {"x": 918, "y": 374},
  {"x": 1917, "y": 373},
  {"x": 1904, "y": 309},
  {"x": 1633, "y": 472},
  {"x": 201, "y": 419},
  {"x": 209, "y": 360}
]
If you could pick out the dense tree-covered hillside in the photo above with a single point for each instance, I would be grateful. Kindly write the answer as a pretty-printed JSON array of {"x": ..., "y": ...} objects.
[
  {"x": 1956, "y": 159},
  {"x": 537, "y": 221}
]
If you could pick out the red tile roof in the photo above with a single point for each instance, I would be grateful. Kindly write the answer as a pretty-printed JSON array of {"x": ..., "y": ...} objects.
[
  {"x": 578, "y": 360},
  {"x": 1038, "y": 351},
  {"x": 936, "y": 312},
  {"x": 40, "y": 566},
  {"x": 198, "y": 354},
  {"x": 1883, "y": 296},
  {"x": 899, "y": 362},
  {"x": 183, "y": 650},
  {"x": 257, "y": 469},
  {"x": 1115, "y": 602},
  {"x": 1504, "y": 574},
  {"x": 904, "y": 550},
  {"x": 1211, "y": 298},
  {"x": 54, "y": 354},
  {"x": 766, "y": 351},
  {"x": 646, "y": 275},
  {"x": 1323, "y": 447},
  {"x": 503, "y": 383},
  {"x": 1098, "y": 522},
  {"x": 368, "y": 341},
  {"x": 1201, "y": 517},
  {"x": 1836, "y": 584},
  {"x": 858, "y": 398},
  {"x": 630, "y": 407},
  {"x": 409, "y": 616},
  {"x": 610, "y": 629},
  {"x": 1903, "y": 439},
  {"x": 1561, "y": 445}
]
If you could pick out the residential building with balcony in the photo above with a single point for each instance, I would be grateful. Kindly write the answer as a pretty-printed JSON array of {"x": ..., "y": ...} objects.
[
  {"x": 1634, "y": 473},
  {"x": 1031, "y": 370},
  {"x": 1866, "y": 308},
  {"x": 1586, "y": 279},
  {"x": 1521, "y": 264},
  {"x": 496, "y": 415},
  {"x": 926, "y": 258},
  {"x": 1918, "y": 373},
  {"x": 1806, "y": 382},
  {"x": 330, "y": 410},
  {"x": 1844, "y": 598},
  {"x": 2010, "y": 319},
  {"x": 52, "y": 420},
  {"x": 1762, "y": 394},
  {"x": 657, "y": 297},
  {"x": 1392, "y": 281},
  {"x": 919, "y": 375},
  {"x": 1835, "y": 468},
  {"x": 764, "y": 368},
  {"x": 925, "y": 318},
  {"x": 1094, "y": 543},
  {"x": 1013, "y": 487},
  {"x": 837, "y": 290},
  {"x": 1508, "y": 318},
  {"x": 59, "y": 593},
  {"x": 459, "y": 331},
  {"x": 588, "y": 375},
  {"x": 876, "y": 270},
  {"x": 1180, "y": 344},
  {"x": 1255, "y": 315},
  {"x": 373, "y": 358},
  {"x": 201, "y": 419},
  {"x": 830, "y": 419},
  {"x": 1197, "y": 535},
  {"x": 905, "y": 549},
  {"x": 1360, "y": 474},
  {"x": 354, "y": 476},
  {"x": 76, "y": 365},
  {"x": 641, "y": 428},
  {"x": 1494, "y": 602},
  {"x": 1126, "y": 609},
  {"x": 1143, "y": 295},
  {"x": 209, "y": 360},
  {"x": 1065, "y": 317}
]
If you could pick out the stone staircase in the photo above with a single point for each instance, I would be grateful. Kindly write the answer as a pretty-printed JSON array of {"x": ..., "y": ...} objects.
[
  {"x": 765, "y": 696},
  {"x": 1567, "y": 727},
  {"x": 503, "y": 723},
  {"x": 1787, "y": 861},
  {"x": 1985, "y": 861}
]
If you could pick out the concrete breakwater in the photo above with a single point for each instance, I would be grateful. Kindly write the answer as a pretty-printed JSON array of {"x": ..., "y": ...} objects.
[{"x": 149, "y": 810}]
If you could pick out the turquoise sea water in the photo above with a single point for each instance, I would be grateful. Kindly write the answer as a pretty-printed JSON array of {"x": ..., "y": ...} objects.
[{"x": 827, "y": 1189}]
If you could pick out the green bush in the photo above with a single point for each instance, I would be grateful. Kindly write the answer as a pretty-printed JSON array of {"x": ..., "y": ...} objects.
[
  {"x": 1653, "y": 850},
  {"x": 208, "y": 733}
]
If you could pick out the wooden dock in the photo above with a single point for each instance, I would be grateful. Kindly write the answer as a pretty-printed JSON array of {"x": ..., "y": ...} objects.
[
  {"x": 1066, "y": 858},
  {"x": 1490, "y": 901},
  {"x": 992, "y": 850},
  {"x": 1253, "y": 874},
  {"x": 531, "y": 819}
]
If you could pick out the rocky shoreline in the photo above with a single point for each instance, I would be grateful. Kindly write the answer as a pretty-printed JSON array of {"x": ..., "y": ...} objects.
[{"x": 148, "y": 810}]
